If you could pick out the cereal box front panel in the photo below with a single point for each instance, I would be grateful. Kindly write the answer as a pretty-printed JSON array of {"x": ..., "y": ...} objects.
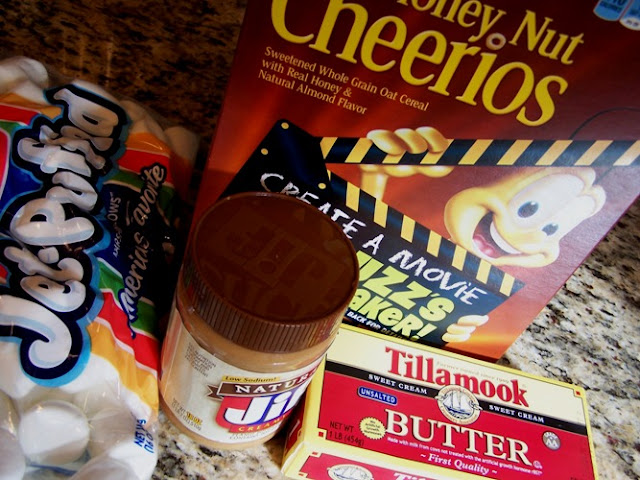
[{"x": 505, "y": 134}]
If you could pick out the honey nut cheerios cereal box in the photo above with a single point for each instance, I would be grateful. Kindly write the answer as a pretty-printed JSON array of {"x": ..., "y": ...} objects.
[{"x": 474, "y": 151}]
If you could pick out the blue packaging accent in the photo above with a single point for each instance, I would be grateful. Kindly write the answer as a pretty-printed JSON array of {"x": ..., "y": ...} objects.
[
  {"x": 366, "y": 392},
  {"x": 631, "y": 17},
  {"x": 611, "y": 10}
]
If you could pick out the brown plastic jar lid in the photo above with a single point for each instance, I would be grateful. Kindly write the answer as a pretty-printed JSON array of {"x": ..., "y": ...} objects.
[{"x": 270, "y": 272}]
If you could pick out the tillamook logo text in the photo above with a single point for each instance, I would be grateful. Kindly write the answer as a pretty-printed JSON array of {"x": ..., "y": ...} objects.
[{"x": 419, "y": 367}]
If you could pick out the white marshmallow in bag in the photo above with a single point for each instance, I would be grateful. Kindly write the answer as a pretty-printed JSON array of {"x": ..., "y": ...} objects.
[
  {"x": 99, "y": 386},
  {"x": 12, "y": 461},
  {"x": 97, "y": 372},
  {"x": 142, "y": 121},
  {"x": 31, "y": 92},
  {"x": 13, "y": 380},
  {"x": 25, "y": 77},
  {"x": 96, "y": 398},
  {"x": 183, "y": 142},
  {"x": 98, "y": 90},
  {"x": 8, "y": 415},
  {"x": 19, "y": 68},
  {"x": 104, "y": 468},
  {"x": 53, "y": 432},
  {"x": 117, "y": 434},
  {"x": 39, "y": 394}
]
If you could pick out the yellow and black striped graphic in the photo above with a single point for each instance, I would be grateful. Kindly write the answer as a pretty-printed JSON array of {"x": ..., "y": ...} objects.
[
  {"x": 373, "y": 210},
  {"x": 516, "y": 153},
  {"x": 414, "y": 283}
]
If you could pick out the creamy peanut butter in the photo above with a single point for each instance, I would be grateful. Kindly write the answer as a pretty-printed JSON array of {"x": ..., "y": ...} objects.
[{"x": 262, "y": 291}]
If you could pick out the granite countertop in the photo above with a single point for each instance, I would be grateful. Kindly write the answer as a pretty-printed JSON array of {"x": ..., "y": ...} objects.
[{"x": 175, "y": 58}]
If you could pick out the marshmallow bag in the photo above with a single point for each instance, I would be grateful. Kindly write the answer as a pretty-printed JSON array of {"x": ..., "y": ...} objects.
[{"x": 90, "y": 239}]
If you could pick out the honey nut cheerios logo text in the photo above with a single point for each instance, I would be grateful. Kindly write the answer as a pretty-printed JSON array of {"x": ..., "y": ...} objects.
[{"x": 427, "y": 58}]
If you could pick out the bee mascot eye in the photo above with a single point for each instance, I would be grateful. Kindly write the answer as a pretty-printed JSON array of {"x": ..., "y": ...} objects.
[
  {"x": 550, "y": 229},
  {"x": 528, "y": 209}
]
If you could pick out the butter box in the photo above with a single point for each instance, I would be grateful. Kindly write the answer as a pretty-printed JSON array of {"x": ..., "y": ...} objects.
[{"x": 385, "y": 408}]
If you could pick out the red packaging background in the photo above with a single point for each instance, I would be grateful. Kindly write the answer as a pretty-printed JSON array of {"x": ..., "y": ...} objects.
[{"x": 568, "y": 462}]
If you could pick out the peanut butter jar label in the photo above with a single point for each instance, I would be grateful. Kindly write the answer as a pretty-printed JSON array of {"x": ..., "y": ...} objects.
[{"x": 219, "y": 401}]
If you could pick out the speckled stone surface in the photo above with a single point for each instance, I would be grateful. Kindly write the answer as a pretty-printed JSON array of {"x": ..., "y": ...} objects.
[
  {"x": 175, "y": 58},
  {"x": 589, "y": 335}
]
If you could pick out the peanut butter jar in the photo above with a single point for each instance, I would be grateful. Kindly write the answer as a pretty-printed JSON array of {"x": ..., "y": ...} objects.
[{"x": 261, "y": 293}]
